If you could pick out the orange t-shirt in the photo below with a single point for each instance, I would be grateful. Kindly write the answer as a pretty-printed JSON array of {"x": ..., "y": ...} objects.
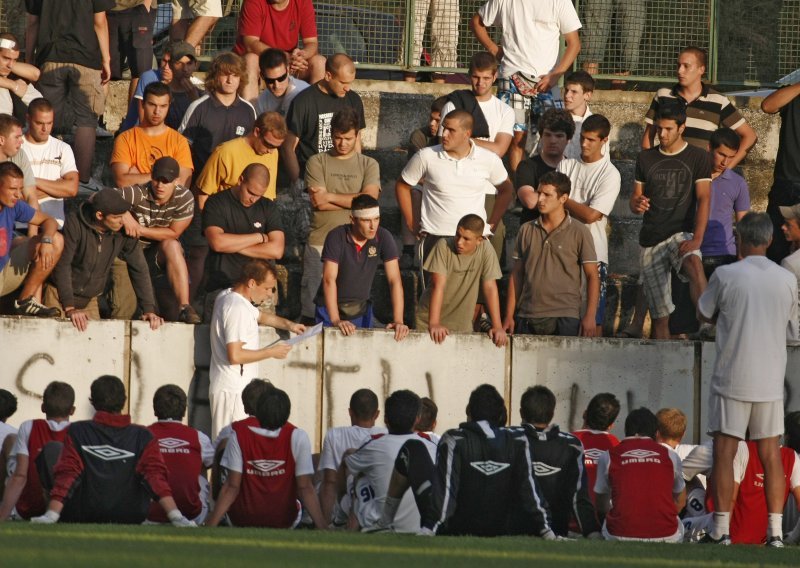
[{"x": 136, "y": 148}]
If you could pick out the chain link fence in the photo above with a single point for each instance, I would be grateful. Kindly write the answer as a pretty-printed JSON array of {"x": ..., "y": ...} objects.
[{"x": 749, "y": 43}]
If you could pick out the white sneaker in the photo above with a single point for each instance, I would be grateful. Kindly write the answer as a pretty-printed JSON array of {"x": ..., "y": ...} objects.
[{"x": 89, "y": 188}]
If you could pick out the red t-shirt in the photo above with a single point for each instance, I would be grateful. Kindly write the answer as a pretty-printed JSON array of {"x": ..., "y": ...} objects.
[
  {"x": 595, "y": 444},
  {"x": 31, "y": 501},
  {"x": 268, "y": 493},
  {"x": 180, "y": 447},
  {"x": 641, "y": 476},
  {"x": 276, "y": 28}
]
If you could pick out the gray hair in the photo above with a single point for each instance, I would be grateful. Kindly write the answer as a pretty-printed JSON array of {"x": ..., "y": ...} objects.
[{"x": 755, "y": 229}]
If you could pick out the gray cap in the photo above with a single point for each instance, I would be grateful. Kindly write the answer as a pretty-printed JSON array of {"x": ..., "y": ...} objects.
[
  {"x": 178, "y": 49},
  {"x": 110, "y": 202},
  {"x": 791, "y": 211}
]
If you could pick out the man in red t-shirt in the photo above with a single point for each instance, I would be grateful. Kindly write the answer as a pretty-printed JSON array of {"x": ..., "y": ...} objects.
[
  {"x": 598, "y": 419},
  {"x": 279, "y": 23},
  {"x": 269, "y": 470},
  {"x": 24, "y": 489},
  {"x": 644, "y": 481},
  {"x": 187, "y": 453}
]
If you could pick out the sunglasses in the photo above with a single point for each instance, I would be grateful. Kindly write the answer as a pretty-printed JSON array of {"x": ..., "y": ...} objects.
[{"x": 280, "y": 79}]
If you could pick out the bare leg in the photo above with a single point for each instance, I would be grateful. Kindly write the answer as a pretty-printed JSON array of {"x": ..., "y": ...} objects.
[
  {"x": 177, "y": 271},
  {"x": 250, "y": 92},
  {"x": 661, "y": 328},
  {"x": 774, "y": 483},
  {"x": 38, "y": 273},
  {"x": 722, "y": 472},
  {"x": 198, "y": 29},
  {"x": 692, "y": 267},
  {"x": 517, "y": 151}
]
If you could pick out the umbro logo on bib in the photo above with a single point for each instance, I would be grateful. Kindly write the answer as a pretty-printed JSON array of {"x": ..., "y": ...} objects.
[
  {"x": 266, "y": 465},
  {"x": 490, "y": 467},
  {"x": 172, "y": 443},
  {"x": 593, "y": 454},
  {"x": 640, "y": 454},
  {"x": 543, "y": 469},
  {"x": 108, "y": 453}
]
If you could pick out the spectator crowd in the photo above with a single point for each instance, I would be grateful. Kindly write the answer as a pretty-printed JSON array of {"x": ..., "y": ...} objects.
[{"x": 188, "y": 230}]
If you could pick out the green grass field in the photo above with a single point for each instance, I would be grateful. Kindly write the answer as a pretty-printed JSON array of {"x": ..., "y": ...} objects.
[{"x": 61, "y": 546}]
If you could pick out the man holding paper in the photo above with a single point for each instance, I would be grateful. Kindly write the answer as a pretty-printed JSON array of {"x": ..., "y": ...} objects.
[{"x": 235, "y": 350}]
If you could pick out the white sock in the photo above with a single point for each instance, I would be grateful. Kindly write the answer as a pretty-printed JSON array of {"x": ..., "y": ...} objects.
[
  {"x": 774, "y": 524},
  {"x": 390, "y": 506},
  {"x": 722, "y": 525}
]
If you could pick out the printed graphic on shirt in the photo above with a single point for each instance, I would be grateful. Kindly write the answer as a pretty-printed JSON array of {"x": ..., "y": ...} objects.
[
  {"x": 108, "y": 453},
  {"x": 490, "y": 467}
]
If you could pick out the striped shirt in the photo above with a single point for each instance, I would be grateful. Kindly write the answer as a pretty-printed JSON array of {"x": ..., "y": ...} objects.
[
  {"x": 150, "y": 214},
  {"x": 707, "y": 113}
]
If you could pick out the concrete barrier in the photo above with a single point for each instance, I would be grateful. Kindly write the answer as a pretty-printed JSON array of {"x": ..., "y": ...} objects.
[{"x": 320, "y": 374}]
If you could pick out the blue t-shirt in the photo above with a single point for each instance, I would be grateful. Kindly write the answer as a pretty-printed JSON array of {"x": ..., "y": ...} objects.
[
  {"x": 729, "y": 195},
  {"x": 21, "y": 212}
]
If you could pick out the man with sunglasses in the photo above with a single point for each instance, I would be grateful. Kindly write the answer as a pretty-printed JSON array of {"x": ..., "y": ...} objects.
[
  {"x": 282, "y": 87},
  {"x": 235, "y": 351}
]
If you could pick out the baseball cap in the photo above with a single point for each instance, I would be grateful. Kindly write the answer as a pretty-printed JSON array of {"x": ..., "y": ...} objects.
[
  {"x": 109, "y": 202},
  {"x": 178, "y": 49},
  {"x": 166, "y": 168},
  {"x": 791, "y": 211}
]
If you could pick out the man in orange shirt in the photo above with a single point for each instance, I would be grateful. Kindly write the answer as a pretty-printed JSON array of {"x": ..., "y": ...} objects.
[{"x": 137, "y": 149}]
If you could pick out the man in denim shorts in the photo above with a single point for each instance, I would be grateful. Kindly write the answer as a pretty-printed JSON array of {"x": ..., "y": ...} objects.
[{"x": 530, "y": 67}]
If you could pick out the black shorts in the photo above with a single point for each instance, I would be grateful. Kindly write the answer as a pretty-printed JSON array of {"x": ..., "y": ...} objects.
[{"x": 130, "y": 36}]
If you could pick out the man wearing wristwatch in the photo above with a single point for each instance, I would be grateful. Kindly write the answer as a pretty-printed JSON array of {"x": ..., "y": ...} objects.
[{"x": 25, "y": 263}]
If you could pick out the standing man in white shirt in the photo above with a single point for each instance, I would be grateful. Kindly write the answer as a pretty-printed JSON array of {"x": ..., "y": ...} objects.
[
  {"x": 529, "y": 56},
  {"x": 52, "y": 161},
  {"x": 747, "y": 392},
  {"x": 595, "y": 188},
  {"x": 577, "y": 92}
]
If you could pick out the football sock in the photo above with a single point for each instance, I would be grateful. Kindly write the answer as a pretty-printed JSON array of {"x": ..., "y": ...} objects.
[
  {"x": 722, "y": 525},
  {"x": 389, "y": 511},
  {"x": 775, "y": 524}
]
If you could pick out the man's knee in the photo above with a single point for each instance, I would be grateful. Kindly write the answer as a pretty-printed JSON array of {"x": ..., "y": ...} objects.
[
  {"x": 171, "y": 249},
  {"x": 692, "y": 266},
  {"x": 414, "y": 462}
]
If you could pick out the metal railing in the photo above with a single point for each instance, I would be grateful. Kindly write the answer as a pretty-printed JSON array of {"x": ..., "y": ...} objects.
[{"x": 748, "y": 42}]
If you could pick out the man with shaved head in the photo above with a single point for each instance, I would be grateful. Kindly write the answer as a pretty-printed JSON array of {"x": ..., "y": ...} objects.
[
  {"x": 309, "y": 117},
  {"x": 456, "y": 174}
]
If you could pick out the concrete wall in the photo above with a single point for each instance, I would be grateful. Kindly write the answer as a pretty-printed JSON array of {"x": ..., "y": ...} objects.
[{"x": 321, "y": 374}]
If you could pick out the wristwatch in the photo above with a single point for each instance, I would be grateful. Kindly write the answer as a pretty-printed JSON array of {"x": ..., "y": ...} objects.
[{"x": 46, "y": 240}]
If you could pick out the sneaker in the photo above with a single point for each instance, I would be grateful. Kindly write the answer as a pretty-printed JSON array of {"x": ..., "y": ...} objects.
[
  {"x": 775, "y": 542},
  {"x": 188, "y": 315},
  {"x": 30, "y": 306},
  {"x": 724, "y": 540},
  {"x": 89, "y": 188},
  {"x": 484, "y": 323}
]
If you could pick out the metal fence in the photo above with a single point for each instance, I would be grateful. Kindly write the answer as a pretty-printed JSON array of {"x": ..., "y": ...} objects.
[{"x": 749, "y": 42}]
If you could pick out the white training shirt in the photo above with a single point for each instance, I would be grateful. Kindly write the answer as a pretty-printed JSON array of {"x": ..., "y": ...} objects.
[
  {"x": 375, "y": 460},
  {"x": 301, "y": 451},
  {"x": 792, "y": 264},
  {"x": 51, "y": 161},
  {"x": 453, "y": 188},
  {"x": 267, "y": 102},
  {"x": 235, "y": 319},
  {"x": 532, "y": 32},
  {"x": 339, "y": 440},
  {"x": 573, "y": 149},
  {"x": 6, "y": 104},
  {"x": 701, "y": 459},
  {"x": 751, "y": 356},
  {"x": 596, "y": 185}
]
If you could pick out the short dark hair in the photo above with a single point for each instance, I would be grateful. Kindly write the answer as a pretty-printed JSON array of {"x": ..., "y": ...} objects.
[
  {"x": 558, "y": 180},
  {"x": 169, "y": 402},
  {"x": 537, "y": 405},
  {"x": 557, "y": 120},
  {"x": 363, "y": 201},
  {"x": 257, "y": 269},
  {"x": 58, "y": 399},
  {"x": 345, "y": 120},
  {"x": 252, "y": 392},
  {"x": 791, "y": 427},
  {"x": 273, "y": 123},
  {"x": 428, "y": 412},
  {"x": 582, "y": 78},
  {"x": 464, "y": 118},
  {"x": 336, "y": 62},
  {"x": 602, "y": 411},
  {"x": 8, "y": 405},
  {"x": 438, "y": 104},
  {"x": 725, "y": 137},
  {"x": 107, "y": 394},
  {"x": 272, "y": 58},
  {"x": 7, "y": 123},
  {"x": 641, "y": 422},
  {"x": 483, "y": 61},
  {"x": 40, "y": 104},
  {"x": 698, "y": 52},
  {"x": 273, "y": 408},
  {"x": 485, "y": 403},
  {"x": 472, "y": 223},
  {"x": 401, "y": 411},
  {"x": 364, "y": 404},
  {"x": 157, "y": 89},
  {"x": 597, "y": 123},
  {"x": 671, "y": 109},
  {"x": 10, "y": 170}
]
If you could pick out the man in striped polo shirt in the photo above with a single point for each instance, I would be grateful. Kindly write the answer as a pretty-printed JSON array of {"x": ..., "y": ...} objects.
[
  {"x": 161, "y": 211},
  {"x": 706, "y": 109}
]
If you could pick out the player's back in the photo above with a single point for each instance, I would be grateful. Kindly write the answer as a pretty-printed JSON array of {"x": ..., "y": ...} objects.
[
  {"x": 342, "y": 438},
  {"x": 39, "y": 432},
  {"x": 596, "y": 443}
]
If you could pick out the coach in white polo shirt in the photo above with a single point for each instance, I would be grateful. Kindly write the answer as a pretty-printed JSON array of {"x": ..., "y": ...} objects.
[
  {"x": 754, "y": 304},
  {"x": 456, "y": 175}
]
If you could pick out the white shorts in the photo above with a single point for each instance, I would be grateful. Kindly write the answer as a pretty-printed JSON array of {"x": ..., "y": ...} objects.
[
  {"x": 677, "y": 537},
  {"x": 190, "y": 9},
  {"x": 226, "y": 407},
  {"x": 735, "y": 417}
]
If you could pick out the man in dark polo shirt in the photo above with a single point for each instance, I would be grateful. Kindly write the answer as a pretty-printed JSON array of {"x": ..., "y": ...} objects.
[
  {"x": 240, "y": 224},
  {"x": 551, "y": 252},
  {"x": 350, "y": 257}
]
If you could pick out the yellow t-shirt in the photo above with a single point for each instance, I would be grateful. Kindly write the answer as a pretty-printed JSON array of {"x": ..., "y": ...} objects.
[
  {"x": 136, "y": 148},
  {"x": 227, "y": 162}
]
